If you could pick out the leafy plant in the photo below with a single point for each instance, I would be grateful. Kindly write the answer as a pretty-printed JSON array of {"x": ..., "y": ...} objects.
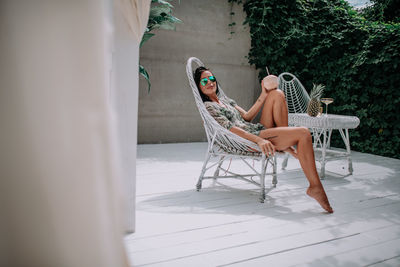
[
  {"x": 383, "y": 11},
  {"x": 160, "y": 17},
  {"x": 327, "y": 41}
]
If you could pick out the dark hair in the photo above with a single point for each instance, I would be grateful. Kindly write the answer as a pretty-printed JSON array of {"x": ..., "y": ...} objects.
[{"x": 197, "y": 75}]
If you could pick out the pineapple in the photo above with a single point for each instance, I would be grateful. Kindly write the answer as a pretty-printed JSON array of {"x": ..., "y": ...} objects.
[{"x": 315, "y": 104}]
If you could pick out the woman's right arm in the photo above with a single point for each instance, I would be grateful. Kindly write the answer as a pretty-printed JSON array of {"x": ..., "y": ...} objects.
[
  {"x": 266, "y": 146},
  {"x": 253, "y": 111}
]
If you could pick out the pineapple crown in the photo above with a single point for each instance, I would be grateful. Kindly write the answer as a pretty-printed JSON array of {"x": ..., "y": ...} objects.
[{"x": 317, "y": 91}]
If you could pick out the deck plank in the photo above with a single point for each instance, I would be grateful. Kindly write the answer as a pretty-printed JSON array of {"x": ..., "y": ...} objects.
[
  {"x": 225, "y": 224},
  {"x": 276, "y": 230}
]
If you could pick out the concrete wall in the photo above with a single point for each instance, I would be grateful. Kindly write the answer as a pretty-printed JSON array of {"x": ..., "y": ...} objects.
[{"x": 169, "y": 113}]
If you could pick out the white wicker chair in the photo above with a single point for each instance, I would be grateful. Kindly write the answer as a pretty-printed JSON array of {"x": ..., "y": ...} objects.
[
  {"x": 297, "y": 97},
  {"x": 223, "y": 144},
  {"x": 321, "y": 127}
]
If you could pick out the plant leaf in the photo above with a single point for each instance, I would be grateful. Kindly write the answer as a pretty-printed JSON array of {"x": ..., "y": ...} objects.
[
  {"x": 145, "y": 38},
  {"x": 145, "y": 74},
  {"x": 162, "y": 2}
]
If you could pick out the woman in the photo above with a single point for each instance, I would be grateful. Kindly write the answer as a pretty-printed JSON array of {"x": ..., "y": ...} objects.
[{"x": 272, "y": 133}]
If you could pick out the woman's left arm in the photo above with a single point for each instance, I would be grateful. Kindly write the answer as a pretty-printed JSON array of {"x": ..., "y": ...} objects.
[{"x": 252, "y": 112}]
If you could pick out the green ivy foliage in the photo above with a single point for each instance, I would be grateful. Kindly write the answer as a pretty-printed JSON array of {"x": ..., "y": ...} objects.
[
  {"x": 328, "y": 42},
  {"x": 383, "y": 10}
]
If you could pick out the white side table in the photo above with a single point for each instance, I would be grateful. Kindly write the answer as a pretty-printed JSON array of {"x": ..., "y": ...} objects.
[{"x": 321, "y": 128}]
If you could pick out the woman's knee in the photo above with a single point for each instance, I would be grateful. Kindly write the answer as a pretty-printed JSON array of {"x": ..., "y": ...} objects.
[
  {"x": 304, "y": 132},
  {"x": 276, "y": 93},
  {"x": 277, "y": 96}
]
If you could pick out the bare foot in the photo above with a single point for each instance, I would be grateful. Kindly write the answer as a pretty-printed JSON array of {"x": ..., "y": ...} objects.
[
  {"x": 319, "y": 195},
  {"x": 291, "y": 151}
]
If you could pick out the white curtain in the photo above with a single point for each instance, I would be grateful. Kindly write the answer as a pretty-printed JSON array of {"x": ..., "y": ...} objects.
[
  {"x": 136, "y": 14},
  {"x": 62, "y": 190},
  {"x": 130, "y": 21}
]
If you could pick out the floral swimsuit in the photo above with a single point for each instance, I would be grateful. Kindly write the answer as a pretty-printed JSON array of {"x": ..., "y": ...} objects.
[{"x": 229, "y": 116}]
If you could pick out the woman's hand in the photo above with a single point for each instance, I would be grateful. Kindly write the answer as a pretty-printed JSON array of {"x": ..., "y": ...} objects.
[
  {"x": 263, "y": 89},
  {"x": 266, "y": 147}
]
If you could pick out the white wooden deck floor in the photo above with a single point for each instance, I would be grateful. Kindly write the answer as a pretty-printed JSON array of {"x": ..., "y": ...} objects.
[{"x": 225, "y": 225}]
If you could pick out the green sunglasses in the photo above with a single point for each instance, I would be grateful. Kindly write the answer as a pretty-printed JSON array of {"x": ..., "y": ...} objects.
[{"x": 204, "y": 81}]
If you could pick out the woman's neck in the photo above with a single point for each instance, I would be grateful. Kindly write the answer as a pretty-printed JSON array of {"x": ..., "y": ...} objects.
[{"x": 214, "y": 98}]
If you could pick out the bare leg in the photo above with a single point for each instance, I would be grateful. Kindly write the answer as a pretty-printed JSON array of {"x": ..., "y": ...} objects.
[
  {"x": 275, "y": 114},
  {"x": 300, "y": 136}
]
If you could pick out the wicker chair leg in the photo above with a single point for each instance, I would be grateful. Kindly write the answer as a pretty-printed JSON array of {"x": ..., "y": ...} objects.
[
  {"x": 274, "y": 175},
  {"x": 203, "y": 170},
  {"x": 346, "y": 140},
  {"x": 264, "y": 163},
  {"x": 322, "y": 173},
  {"x": 323, "y": 159},
  {"x": 350, "y": 165},
  {"x": 285, "y": 161},
  {"x": 221, "y": 160}
]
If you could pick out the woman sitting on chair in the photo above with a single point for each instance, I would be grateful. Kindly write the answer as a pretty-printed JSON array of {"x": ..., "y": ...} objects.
[{"x": 272, "y": 133}]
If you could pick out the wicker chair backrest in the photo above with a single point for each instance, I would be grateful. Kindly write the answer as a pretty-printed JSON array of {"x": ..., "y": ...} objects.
[
  {"x": 219, "y": 138},
  {"x": 297, "y": 97}
]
